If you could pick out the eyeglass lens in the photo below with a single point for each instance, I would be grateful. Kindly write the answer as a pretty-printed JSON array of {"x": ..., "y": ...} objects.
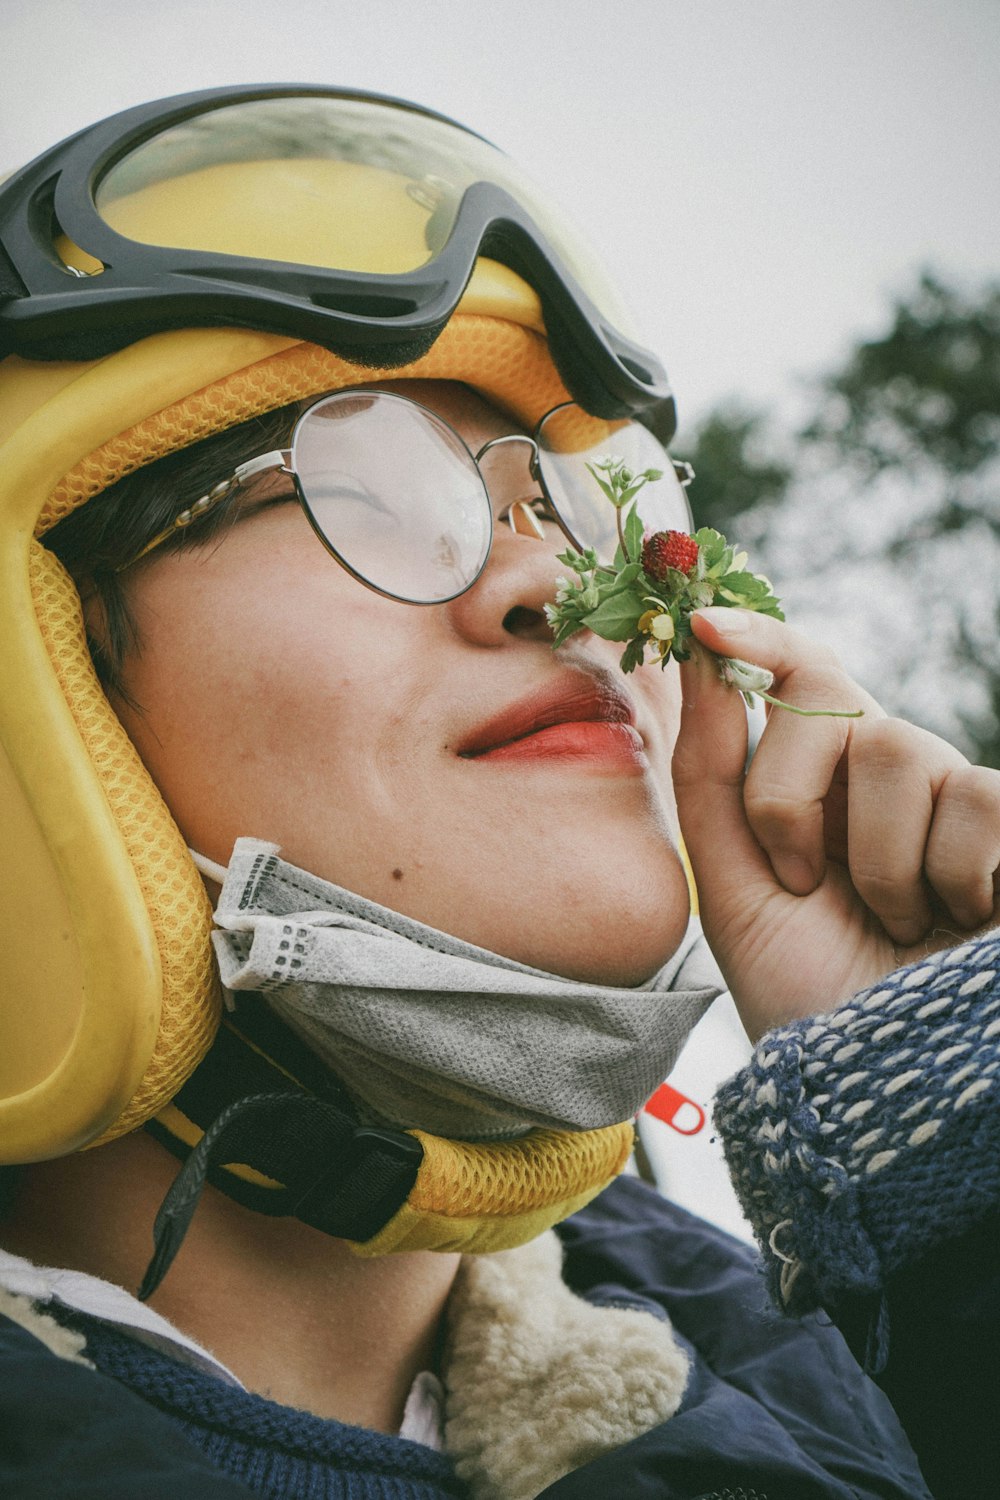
[
  {"x": 568, "y": 440},
  {"x": 394, "y": 493}
]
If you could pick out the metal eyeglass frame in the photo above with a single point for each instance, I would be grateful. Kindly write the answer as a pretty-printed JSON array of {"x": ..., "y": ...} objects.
[{"x": 520, "y": 515}]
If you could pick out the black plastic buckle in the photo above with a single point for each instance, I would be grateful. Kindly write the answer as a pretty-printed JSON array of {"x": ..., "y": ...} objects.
[{"x": 365, "y": 1186}]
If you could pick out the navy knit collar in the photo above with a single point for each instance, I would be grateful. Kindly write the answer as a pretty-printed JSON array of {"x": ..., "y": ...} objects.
[{"x": 248, "y": 1435}]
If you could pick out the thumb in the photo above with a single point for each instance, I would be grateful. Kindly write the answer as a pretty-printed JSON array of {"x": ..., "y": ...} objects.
[{"x": 732, "y": 873}]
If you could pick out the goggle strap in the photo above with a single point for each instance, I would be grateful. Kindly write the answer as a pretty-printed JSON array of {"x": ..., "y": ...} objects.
[{"x": 11, "y": 284}]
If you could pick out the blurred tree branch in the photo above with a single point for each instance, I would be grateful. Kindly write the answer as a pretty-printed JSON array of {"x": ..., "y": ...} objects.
[{"x": 880, "y": 519}]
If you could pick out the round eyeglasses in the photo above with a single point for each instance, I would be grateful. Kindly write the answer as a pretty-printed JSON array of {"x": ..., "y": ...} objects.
[{"x": 399, "y": 499}]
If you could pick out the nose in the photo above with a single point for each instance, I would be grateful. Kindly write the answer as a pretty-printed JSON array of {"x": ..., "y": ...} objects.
[{"x": 508, "y": 598}]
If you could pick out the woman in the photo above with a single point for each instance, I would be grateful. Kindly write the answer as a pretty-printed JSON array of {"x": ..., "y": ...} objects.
[{"x": 451, "y": 916}]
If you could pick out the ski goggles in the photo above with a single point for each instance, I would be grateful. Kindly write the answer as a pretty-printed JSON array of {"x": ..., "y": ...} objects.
[
  {"x": 152, "y": 219},
  {"x": 401, "y": 502}
]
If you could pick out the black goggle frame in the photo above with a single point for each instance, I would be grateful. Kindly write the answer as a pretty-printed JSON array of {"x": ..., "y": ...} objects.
[{"x": 49, "y": 312}]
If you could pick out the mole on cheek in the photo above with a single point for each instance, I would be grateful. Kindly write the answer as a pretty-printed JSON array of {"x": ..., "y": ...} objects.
[{"x": 397, "y": 874}]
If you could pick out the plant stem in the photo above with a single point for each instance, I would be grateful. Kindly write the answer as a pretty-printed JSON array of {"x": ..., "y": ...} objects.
[
  {"x": 621, "y": 533},
  {"x": 812, "y": 713}
]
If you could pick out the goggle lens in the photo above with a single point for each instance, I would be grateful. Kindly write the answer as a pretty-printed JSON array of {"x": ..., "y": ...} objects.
[{"x": 244, "y": 179}]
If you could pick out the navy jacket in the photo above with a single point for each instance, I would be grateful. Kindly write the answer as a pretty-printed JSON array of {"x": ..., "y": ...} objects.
[{"x": 774, "y": 1408}]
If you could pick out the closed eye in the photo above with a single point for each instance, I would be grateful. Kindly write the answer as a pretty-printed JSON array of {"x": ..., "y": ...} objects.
[{"x": 344, "y": 494}]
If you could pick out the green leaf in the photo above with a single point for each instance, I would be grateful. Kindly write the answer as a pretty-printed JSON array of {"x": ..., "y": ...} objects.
[
  {"x": 712, "y": 543},
  {"x": 616, "y": 618},
  {"x": 634, "y": 531},
  {"x": 626, "y": 577},
  {"x": 565, "y": 630},
  {"x": 744, "y": 583},
  {"x": 607, "y": 489},
  {"x": 634, "y": 654}
]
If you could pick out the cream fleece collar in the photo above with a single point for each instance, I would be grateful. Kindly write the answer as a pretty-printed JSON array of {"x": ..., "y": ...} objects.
[{"x": 540, "y": 1382}]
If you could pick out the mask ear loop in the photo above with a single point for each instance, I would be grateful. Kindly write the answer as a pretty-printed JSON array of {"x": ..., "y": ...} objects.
[{"x": 208, "y": 867}]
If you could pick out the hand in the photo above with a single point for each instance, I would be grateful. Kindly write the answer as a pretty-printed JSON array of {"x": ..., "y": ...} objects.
[{"x": 849, "y": 848}]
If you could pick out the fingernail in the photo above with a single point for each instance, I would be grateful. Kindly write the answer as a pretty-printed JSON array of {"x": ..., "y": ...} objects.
[
  {"x": 795, "y": 873},
  {"x": 728, "y": 621}
]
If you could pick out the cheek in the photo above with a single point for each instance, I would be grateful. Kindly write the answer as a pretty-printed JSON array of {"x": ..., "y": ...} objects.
[{"x": 244, "y": 699}]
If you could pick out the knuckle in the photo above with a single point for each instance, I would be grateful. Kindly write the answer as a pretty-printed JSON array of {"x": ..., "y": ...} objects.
[
  {"x": 823, "y": 658},
  {"x": 976, "y": 791},
  {"x": 883, "y": 744},
  {"x": 775, "y": 813},
  {"x": 891, "y": 894},
  {"x": 822, "y": 680}
]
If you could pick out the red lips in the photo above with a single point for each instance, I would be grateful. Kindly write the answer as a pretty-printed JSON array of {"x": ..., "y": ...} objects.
[{"x": 572, "y": 700}]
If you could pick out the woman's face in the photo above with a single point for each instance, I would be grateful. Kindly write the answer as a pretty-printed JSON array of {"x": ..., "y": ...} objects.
[{"x": 441, "y": 760}]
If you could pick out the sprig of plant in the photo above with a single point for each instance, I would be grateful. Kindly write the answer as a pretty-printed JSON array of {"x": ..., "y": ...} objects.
[{"x": 647, "y": 597}]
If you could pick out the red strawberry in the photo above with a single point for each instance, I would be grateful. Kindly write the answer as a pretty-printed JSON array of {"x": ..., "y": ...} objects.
[{"x": 669, "y": 549}]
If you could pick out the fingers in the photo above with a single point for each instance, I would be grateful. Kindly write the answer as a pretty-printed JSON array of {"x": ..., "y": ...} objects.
[
  {"x": 963, "y": 850},
  {"x": 895, "y": 775},
  {"x": 914, "y": 823},
  {"x": 786, "y": 790},
  {"x": 773, "y": 643},
  {"x": 730, "y": 869},
  {"x": 790, "y": 778}
]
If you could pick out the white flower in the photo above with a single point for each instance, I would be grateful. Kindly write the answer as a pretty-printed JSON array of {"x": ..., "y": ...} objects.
[{"x": 744, "y": 675}]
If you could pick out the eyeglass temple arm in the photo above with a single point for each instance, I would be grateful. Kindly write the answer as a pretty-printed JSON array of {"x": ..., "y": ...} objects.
[{"x": 215, "y": 496}]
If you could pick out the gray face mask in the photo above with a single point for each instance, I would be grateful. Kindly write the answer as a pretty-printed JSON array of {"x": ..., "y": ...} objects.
[{"x": 428, "y": 1032}]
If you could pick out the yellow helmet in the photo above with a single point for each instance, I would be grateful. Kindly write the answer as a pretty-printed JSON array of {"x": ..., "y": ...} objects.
[{"x": 111, "y": 998}]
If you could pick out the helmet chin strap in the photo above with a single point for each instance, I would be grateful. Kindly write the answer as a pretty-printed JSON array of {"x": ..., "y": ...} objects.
[
  {"x": 268, "y": 1125},
  {"x": 299, "y": 1136}
]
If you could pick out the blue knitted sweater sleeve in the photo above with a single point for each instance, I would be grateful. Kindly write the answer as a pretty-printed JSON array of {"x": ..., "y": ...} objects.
[{"x": 861, "y": 1140}]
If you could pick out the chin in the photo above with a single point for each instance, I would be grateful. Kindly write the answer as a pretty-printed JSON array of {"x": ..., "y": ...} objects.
[{"x": 613, "y": 928}]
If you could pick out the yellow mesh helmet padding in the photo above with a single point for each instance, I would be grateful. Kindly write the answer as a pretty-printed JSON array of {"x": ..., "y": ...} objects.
[
  {"x": 482, "y": 1198},
  {"x": 479, "y": 1197},
  {"x": 178, "y": 905},
  {"x": 112, "y": 1002},
  {"x": 506, "y": 362}
]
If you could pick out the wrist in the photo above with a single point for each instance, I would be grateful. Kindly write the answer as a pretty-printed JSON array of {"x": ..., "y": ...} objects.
[{"x": 859, "y": 1139}]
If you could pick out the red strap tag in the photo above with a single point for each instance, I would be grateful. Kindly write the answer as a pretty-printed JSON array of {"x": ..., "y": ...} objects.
[{"x": 676, "y": 1110}]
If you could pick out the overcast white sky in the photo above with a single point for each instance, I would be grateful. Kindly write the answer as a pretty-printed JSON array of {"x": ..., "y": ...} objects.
[{"x": 763, "y": 177}]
